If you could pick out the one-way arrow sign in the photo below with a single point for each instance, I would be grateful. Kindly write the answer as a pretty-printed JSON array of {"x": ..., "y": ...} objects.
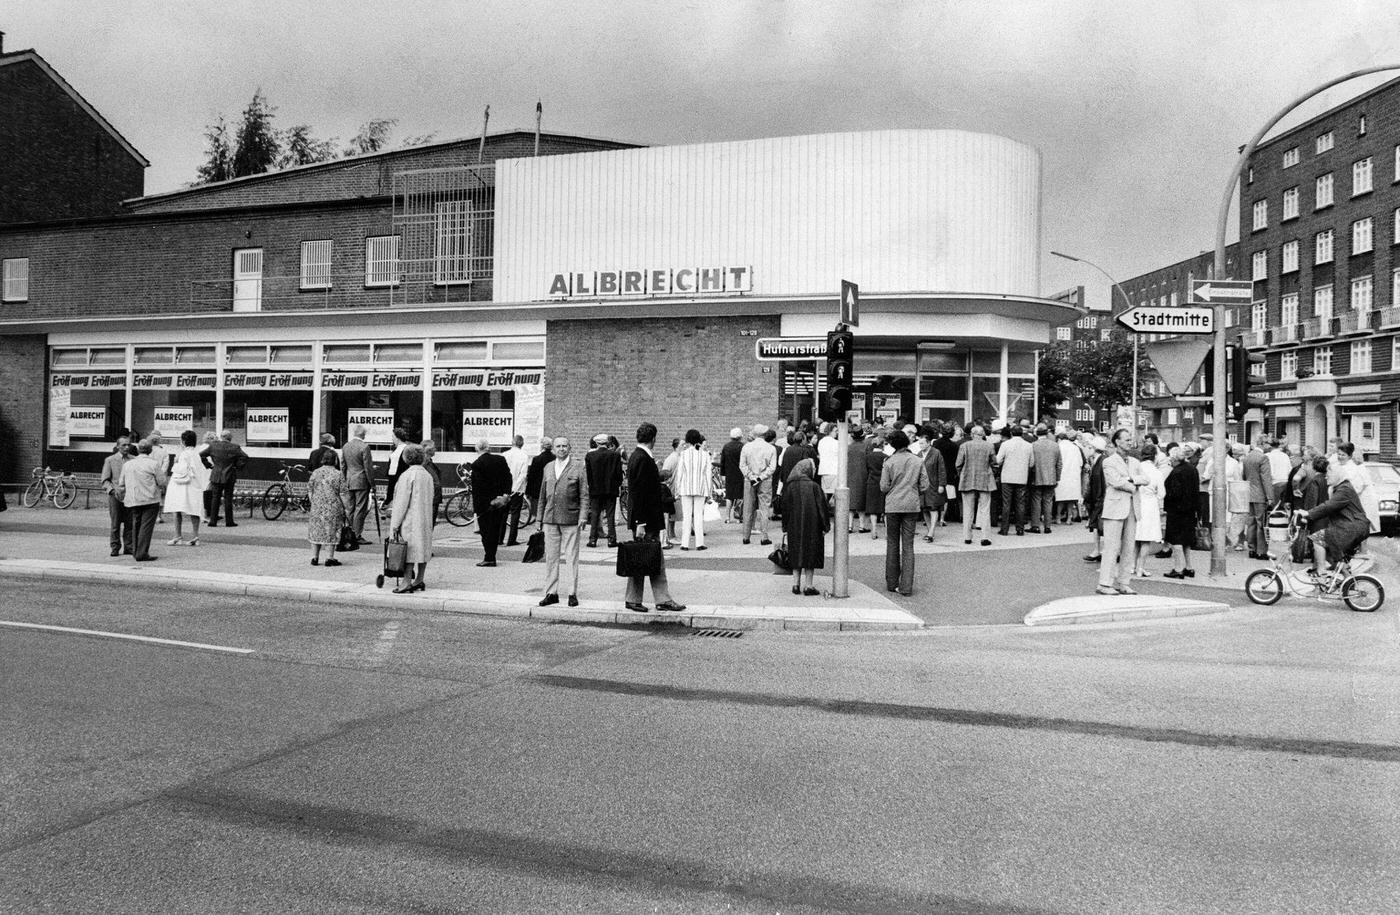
[
  {"x": 1208, "y": 292},
  {"x": 1160, "y": 320}
]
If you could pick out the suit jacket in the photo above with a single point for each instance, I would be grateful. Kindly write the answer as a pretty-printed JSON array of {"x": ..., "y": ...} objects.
[
  {"x": 1119, "y": 479},
  {"x": 536, "y": 472},
  {"x": 974, "y": 466},
  {"x": 1259, "y": 477},
  {"x": 644, "y": 490},
  {"x": 1045, "y": 453},
  {"x": 1014, "y": 458},
  {"x": 603, "y": 467},
  {"x": 112, "y": 471},
  {"x": 562, "y": 499},
  {"x": 359, "y": 464},
  {"x": 490, "y": 478},
  {"x": 225, "y": 460}
]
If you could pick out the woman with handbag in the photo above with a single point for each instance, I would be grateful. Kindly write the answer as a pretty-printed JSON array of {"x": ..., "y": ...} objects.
[
  {"x": 412, "y": 517},
  {"x": 806, "y": 519},
  {"x": 691, "y": 482},
  {"x": 1182, "y": 501},
  {"x": 327, "y": 492},
  {"x": 184, "y": 496},
  {"x": 874, "y": 499}
]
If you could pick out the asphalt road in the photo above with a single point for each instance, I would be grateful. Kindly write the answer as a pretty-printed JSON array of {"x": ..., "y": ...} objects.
[{"x": 362, "y": 761}]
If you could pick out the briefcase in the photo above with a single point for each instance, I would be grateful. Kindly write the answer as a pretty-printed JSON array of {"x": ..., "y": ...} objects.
[
  {"x": 534, "y": 548},
  {"x": 638, "y": 558}
]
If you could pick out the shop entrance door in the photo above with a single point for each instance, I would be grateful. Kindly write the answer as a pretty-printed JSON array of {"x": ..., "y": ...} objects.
[
  {"x": 1365, "y": 434},
  {"x": 247, "y": 279}
]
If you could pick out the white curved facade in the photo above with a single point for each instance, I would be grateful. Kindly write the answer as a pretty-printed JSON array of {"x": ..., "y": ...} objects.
[{"x": 893, "y": 210}]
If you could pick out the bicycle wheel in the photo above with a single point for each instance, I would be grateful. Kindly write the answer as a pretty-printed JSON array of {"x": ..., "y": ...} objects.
[
  {"x": 65, "y": 492},
  {"x": 33, "y": 494},
  {"x": 1363, "y": 593},
  {"x": 1264, "y": 587},
  {"x": 303, "y": 503},
  {"x": 458, "y": 509},
  {"x": 274, "y": 501}
]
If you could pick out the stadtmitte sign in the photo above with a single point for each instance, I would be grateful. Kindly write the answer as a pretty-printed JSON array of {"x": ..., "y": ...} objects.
[{"x": 652, "y": 281}]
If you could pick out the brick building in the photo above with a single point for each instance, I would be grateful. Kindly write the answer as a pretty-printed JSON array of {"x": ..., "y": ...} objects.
[{"x": 1090, "y": 328}]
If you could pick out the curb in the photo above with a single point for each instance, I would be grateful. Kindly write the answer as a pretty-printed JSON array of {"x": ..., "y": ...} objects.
[
  {"x": 472, "y": 603},
  {"x": 1096, "y": 608}
]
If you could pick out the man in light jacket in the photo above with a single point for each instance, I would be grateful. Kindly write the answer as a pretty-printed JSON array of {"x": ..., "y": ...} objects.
[
  {"x": 563, "y": 498},
  {"x": 976, "y": 484},
  {"x": 1047, "y": 462},
  {"x": 358, "y": 462},
  {"x": 903, "y": 480},
  {"x": 759, "y": 462},
  {"x": 1121, "y": 479},
  {"x": 1014, "y": 458},
  {"x": 117, "y": 512},
  {"x": 139, "y": 489}
]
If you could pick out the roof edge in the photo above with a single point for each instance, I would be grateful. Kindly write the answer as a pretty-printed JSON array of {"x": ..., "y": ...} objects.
[{"x": 44, "y": 65}]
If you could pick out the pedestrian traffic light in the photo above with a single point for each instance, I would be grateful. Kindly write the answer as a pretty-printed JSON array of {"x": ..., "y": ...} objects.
[
  {"x": 1242, "y": 381},
  {"x": 840, "y": 353}
]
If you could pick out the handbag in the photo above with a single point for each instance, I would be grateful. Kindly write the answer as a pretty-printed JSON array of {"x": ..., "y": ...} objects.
[
  {"x": 182, "y": 474},
  {"x": 1302, "y": 545},
  {"x": 1202, "y": 539},
  {"x": 638, "y": 558},
  {"x": 348, "y": 540},
  {"x": 781, "y": 558},
  {"x": 712, "y": 513},
  {"x": 534, "y": 548}
]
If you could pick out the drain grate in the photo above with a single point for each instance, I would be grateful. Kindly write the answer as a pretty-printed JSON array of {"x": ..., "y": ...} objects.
[{"x": 719, "y": 633}]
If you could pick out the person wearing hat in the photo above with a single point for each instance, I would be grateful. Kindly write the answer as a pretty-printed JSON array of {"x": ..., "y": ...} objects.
[
  {"x": 603, "y": 470},
  {"x": 731, "y": 471},
  {"x": 758, "y": 461}
]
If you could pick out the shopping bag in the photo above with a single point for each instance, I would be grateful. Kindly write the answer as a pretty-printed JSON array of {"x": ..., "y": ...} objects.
[
  {"x": 348, "y": 540},
  {"x": 534, "y": 548},
  {"x": 395, "y": 558},
  {"x": 712, "y": 513},
  {"x": 1202, "y": 538},
  {"x": 1302, "y": 546},
  {"x": 637, "y": 558}
]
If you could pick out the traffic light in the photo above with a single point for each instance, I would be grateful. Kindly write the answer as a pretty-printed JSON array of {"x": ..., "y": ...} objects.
[
  {"x": 840, "y": 356},
  {"x": 1243, "y": 381}
]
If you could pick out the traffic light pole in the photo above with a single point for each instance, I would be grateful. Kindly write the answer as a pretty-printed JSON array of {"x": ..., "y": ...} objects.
[{"x": 841, "y": 511}]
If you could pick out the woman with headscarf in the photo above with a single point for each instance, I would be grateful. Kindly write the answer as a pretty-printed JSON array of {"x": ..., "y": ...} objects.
[
  {"x": 874, "y": 499},
  {"x": 936, "y": 496},
  {"x": 1182, "y": 501},
  {"x": 412, "y": 517},
  {"x": 806, "y": 519},
  {"x": 327, "y": 492},
  {"x": 1069, "y": 488}
]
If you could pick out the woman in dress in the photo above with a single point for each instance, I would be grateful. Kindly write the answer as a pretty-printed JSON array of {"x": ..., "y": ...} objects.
[
  {"x": 328, "y": 494},
  {"x": 874, "y": 499},
  {"x": 806, "y": 519},
  {"x": 412, "y": 518},
  {"x": 936, "y": 496},
  {"x": 184, "y": 496},
  {"x": 1182, "y": 501},
  {"x": 1069, "y": 489},
  {"x": 1149, "y": 508},
  {"x": 855, "y": 477}
]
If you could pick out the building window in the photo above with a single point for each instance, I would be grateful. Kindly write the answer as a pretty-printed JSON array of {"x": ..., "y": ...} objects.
[
  {"x": 1395, "y": 352},
  {"x": 382, "y": 261},
  {"x": 1324, "y": 143},
  {"x": 1087, "y": 416},
  {"x": 16, "y": 279},
  {"x": 1397, "y": 163},
  {"x": 456, "y": 258},
  {"x": 1360, "y": 357},
  {"x": 1290, "y": 203},
  {"x": 1361, "y": 293},
  {"x": 1322, "y": 360},
  {"x": 1361, "y": 176},
  {"x": 1259, "y": 317},
  {"x": 1322, "y": 302},
  {"x": 1249, "y": 176},
  {"x": 316, "y": 264},
  {"x": 1261, "y": 214},
  {"x": 1361, "y": 236},
  {"x": 1064, "y": 333},
  {"x": 1087, "y": 323},
  {"x": 1105, "y": 334},
  {"x": 1288, "y": 364},
  {"x": 1361, "y": 126},
  {"x": 1171, "y": 416},
  {"x": 1290, "y": 157},
  {"x": 1322, "y": 191},
  {"x": 1322, "y": 247},
  {"x": 1257, "y": 369},
  {"x": 1288, "y": 309},
  {"x": 1173, "y": 300},
  {"x": 1230, "y": 316},
  {"x": 1261, "y": 265},
  {"x": 1290, "y": 257},
  {"x": 1395, "y": 295}
]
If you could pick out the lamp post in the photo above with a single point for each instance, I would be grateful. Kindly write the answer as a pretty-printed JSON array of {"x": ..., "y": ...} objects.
[{"x": 1126, "y": 304}]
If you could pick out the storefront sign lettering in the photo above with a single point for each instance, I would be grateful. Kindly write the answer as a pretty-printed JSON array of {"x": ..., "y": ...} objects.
[
  {"x": 157, "y": 380},
  {"x": 301, "y": 381},
  {"x": 496, "y": 426},
  {"x": 171, "y": 421},
  {"x": 652, "y": 282},
  {"x": 114, "y": 380},
  {"x": 268, "y": 424},
  {"x": 378, "y": 423},
  {"x": 371, "y": 381},
  {"x": 481, "y": 379},
  {"x": 87, "y": 422}
]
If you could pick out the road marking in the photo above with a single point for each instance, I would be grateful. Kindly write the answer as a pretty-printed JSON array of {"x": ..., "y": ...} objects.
[{"x": 130, "y": 638}]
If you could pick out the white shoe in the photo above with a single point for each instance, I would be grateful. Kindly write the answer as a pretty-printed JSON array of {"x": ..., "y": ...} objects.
[{"x": 174, "y": 542}]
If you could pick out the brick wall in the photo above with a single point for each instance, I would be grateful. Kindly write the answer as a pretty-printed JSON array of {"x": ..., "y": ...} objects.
[
  {"x": 678, "y": 373},
  {"x": 56, "y": 162},
  {"x": 21, "y": 406}
]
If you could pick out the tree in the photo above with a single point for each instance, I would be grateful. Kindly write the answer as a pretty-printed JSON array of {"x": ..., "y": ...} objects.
[
  {"x": 373, "y": 136},
  {"x": 418, "y": 140},
  {"x": 257, "y": 143},
  {"x": 218, "y": 154},
  {"x": 1103, "y": 373},
  {"x": 1053, "y": 378},
  {"x": 299, "y": 147}
]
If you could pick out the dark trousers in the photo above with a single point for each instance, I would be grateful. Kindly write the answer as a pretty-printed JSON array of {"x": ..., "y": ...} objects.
[
  {"x": 143, "y": 520},
  {"x": 899, "y": 550},
  {"x": 491, "y": 523},
  {"x": 359, "y": 509},
  {"x": 1042, "y": 507},
  {"x": 208, "y": 502},
  {"x": 223, "y": 493},
  {"x": 120, "y": 517},
  {"x": 517, "y": 502},
  {"x": 1013, "y": 506},
  {"x": 598, "y": 508},
  {"x": 1258, "y": 527}
]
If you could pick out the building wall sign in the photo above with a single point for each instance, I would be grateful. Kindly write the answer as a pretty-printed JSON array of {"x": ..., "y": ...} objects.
[
  {"x": 176, "y": 380},
  {"x": 378, "y": 423},
  {"x": 496, "y": 426},
  {"x": 273, "y": 424},
  {"x": 484, "y": 379},
  {"x": 87, "y": 422},
  {"x": 112, "y": 380},
  {"x": 653, "y": 281},
  {"x": 171, "y": 421},
  {"x": 291, "y": 381},
  {"x": 372, "y": 381}
]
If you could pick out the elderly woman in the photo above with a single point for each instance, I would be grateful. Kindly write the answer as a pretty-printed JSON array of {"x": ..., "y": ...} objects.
[
  {"x": 1148, "y": 506},
  {"x": 806, "y": 520},
  {"x": 328, "y": 495},
  {"x": 875, "y": 456},
  {"x": 855, "y": 478},
  {"x": 1182, "y": 488},
  {"x": 430, "y": 449},
  {"x": 189, "y": 480},
  {"x": 412, "y": 517},
  {"x": 1346, "y": 523},
  {"x": 936, "y": 496}
]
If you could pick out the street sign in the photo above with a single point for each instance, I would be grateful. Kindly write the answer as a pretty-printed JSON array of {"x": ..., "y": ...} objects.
[
  {"x": 1210, "y": 292},
  {"x": 850, "y": 303},
  {"x": 1167, "y": 320},
  {"x": 774, "y": 349},
  {"x": 1178, "y": 361}
]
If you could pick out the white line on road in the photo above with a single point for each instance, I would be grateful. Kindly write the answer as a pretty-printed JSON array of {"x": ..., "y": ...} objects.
[{"x": 132, "y": 638}]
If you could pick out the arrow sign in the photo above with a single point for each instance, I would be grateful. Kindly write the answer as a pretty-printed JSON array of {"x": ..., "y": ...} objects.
[
  {"x": 1178, "y": 361},
  {"x": 1160, "y": 320},
  {"x": 850, "y": 303},
  {"x": 1208, "y": 292}
]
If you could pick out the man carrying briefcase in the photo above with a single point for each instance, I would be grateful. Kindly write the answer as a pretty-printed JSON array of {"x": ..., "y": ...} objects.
[{"x": 644, "y": 489}]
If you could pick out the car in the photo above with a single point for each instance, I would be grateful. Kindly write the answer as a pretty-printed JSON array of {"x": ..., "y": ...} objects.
[{"x": 1385, "y": 479}]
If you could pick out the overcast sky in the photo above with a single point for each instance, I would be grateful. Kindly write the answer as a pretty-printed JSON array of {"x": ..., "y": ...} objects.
[{"x": 1138, "y": 108}]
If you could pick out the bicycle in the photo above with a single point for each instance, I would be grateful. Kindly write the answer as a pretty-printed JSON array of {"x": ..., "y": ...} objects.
[
  {"x": 58, "y": 489},
  {"x": 285, "y": 494},
  {"x": 457, "y": 509},
  {"x": 1362, "y": 593}
]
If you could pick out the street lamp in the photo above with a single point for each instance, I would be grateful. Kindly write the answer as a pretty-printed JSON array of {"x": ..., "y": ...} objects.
[{"x": 1126, "y": 304}]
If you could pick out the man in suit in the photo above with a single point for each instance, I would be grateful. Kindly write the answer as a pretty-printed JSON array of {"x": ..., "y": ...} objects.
[
  {"x": 490, "y": 481},
  {"x": 759, "y": 463},
  {"x": 1121, "y": 478},
  {"x": 117, "y": 511},
  {"x": 1259, "y": 476},
  {"x": 139, "y": 489},
  {"x": 358, "y": 462},
  {"x": 1014, "y": 458},
  {"x": 644, "y": 489},
  {"x": 603, "y": 467},
  {"x": 563, "y": 495},
  {"x": 535, "y": 474},
  {"x": 225, "y": 460},
  {"x": 1047, "y": 463}
]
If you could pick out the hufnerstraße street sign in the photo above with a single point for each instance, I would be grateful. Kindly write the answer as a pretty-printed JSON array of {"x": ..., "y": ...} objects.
[
  {"x": 772, "y": 349},
  {"x": 1151, "y": 319},
  {"x": 1228, "y": 292}
]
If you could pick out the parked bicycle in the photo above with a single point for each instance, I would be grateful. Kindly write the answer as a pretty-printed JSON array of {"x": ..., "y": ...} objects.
[
  {"x": 457, "y": 508},
  {"x": 58, "y": 489},
  {"x": 286, "y": 493},
  {"x": 1361, "y": 592}
]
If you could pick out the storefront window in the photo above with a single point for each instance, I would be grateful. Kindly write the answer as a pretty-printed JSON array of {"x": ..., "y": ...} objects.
[
  {"x": 270, "y": 418},
  {"x": 449, "y": 408},
  {"x": 172, "y": 402},
  {"x": 100, "y": 414},
  {"x": 379, "y": 411}
]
